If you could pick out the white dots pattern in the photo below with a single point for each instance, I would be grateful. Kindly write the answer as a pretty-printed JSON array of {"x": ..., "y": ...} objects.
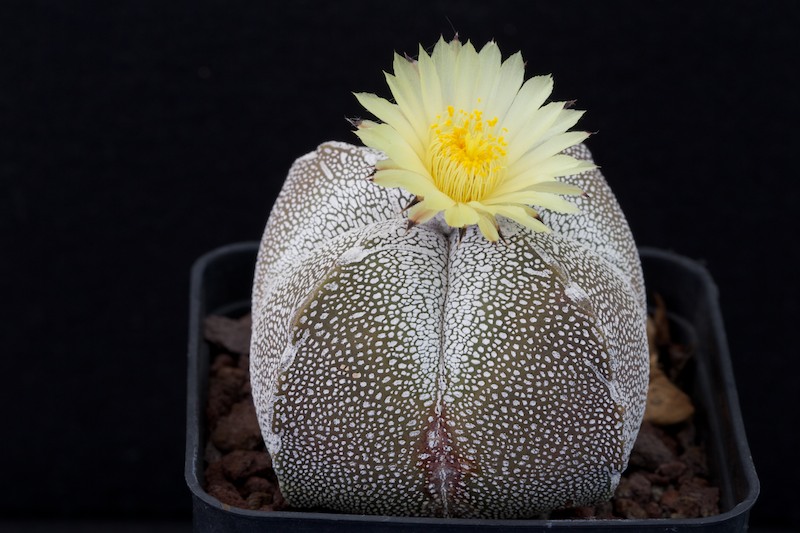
[{"x": 407, "y": 373}]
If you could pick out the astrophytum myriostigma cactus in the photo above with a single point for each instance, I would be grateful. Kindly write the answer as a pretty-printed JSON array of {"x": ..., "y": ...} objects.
[{"x": 466, "y": 356}]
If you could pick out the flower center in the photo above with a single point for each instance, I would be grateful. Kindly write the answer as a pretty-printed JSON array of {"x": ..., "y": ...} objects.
[{"x": 466, "y": 155}]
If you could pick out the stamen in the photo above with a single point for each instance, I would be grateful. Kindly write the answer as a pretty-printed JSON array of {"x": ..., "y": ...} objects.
[{"x": 466, "y": 157}]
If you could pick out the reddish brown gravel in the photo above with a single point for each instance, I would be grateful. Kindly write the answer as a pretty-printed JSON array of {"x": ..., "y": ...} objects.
[
  {"x": 667, "y": 476},
  {"x": 238, "y": 468}
]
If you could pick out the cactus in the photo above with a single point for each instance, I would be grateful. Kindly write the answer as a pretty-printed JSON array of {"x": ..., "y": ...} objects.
[{"x": 458, "y": 367}]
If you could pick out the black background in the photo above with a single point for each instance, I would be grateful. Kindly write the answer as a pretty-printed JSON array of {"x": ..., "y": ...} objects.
[{"x": 135, "y": 136}]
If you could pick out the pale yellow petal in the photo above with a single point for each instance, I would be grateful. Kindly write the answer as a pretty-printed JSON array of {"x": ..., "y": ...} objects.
[
  {"x": 395, "y": 177},
  {"x": 522, "y": 216},
  {"x": 532, "y": 223},
  {"x": 531, "y": 211},
  {"x": 385, "y": 164},
  {"x": 540, "y": 199},
  {"x": 531, "y": 132},
  {"x": 444, "y": 52},
  {"x": 366, "y": 123},
  {"x": 406, "y": 68},
  {"x": 554, "y": 203},
  {"x": 548, "y": 148},
  {"x": 405, "y": 88},
  {"x": 530, "y": 98},
  {"x": 419, "y": 214},
  {"x": 555, "y": 166},
  {"x": 410, "y": 104},
  {"x": 416, "y": 184},
  {"x": 393, "y": 116},
  {"x": 488, "y": 226},
  {"x": 429, "y": 83},
  {"x": 489, "y": 69},
  {"x": 565, "y": 120},
  {"x": 438, "y": 200},
  {"x": 510, "y": 78},
  {"x": 460, "y": 215},
  {"x": 387, "y": 139},
  {"x": 556, "y": 187},
  {"x": 444, "y": 57},
  {"x": 466, "y": 77}
]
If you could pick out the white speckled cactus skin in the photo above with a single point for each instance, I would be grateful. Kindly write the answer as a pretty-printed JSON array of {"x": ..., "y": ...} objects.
[{"x": 405, "y": 373}]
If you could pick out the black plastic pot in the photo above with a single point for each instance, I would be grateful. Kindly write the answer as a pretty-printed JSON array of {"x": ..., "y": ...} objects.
[{"x": 221, "y": 284}]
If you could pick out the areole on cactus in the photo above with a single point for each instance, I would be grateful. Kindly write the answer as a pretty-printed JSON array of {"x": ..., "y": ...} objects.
[{"x": 486, "y": 360}]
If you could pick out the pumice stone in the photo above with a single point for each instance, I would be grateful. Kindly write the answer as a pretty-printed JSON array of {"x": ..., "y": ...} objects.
[{"x": 450, "y": 321}]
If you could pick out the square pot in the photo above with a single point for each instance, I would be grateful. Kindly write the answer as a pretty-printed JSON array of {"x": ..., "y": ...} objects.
[{"x": 221, "y": 283}]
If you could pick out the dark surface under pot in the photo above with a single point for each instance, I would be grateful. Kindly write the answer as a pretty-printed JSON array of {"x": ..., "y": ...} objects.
[{"x": 221, "y": 284}]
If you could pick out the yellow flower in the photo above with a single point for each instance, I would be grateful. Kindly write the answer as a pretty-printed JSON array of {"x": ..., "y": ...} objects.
[{"x": 470, "y": 139}]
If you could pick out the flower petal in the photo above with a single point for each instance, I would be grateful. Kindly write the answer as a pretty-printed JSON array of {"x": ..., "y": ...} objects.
[
  {"x": 510, "y": 78},
  {"x": 429, "y": 83},
  {"x": 521, "y": 215},
  {"x": 530, "y": 98},
  {"x": 388, "y": 140},
  {"x": 460, "y": 215},
  {"x": 556, "y": 187},
  {"x": 438, "y": 200},
  {"x": 555, "y": 166},
  {"x": 488, "y": 226},
  {"x": 566, "y": 119},
  {"x": 420, "y": 185},
  {"x": 531, "y": 211},
  {"x": 532, "y": 131},
  {"x": 386, "y": 164},
  {"x": 404, "y": 85},
  {"x": 549, "y": 148},
  {"x": 444, "y": 57},
  {"x": 540, "y": 199},
  {"x": 554, "y": 203},
  {"x": 466, "y": 76},
  {"x": 489, "y": 65},
  {"x": 393, "y": 116},
  {"x": 398, "y": 177},
  {"x": 419, "y": 214}
]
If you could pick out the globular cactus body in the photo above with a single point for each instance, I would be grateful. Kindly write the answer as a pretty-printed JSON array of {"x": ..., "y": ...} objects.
[{"x": 420, "y": 372}]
